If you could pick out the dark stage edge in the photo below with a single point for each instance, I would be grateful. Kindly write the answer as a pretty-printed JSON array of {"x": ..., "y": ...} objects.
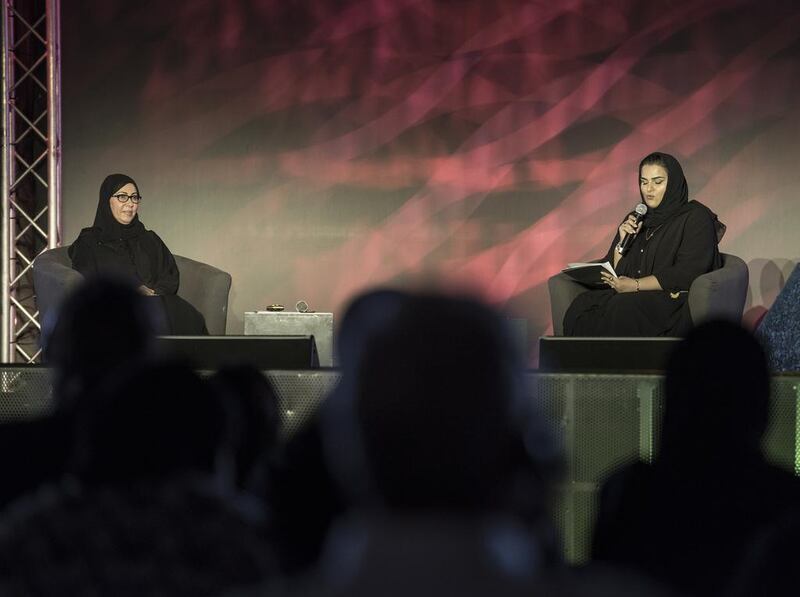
[
  {"x": 605, "y": 420},
  {"x": 559, "y": 354}
]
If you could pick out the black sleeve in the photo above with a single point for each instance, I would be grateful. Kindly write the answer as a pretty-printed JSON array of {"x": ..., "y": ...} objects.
[
  {"x": 695, "y": 255},
  {"x": 84, "y": 260},
  {"x": 168, "y": 278}
]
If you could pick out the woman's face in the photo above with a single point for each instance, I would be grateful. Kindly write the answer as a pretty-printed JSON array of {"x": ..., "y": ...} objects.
[
  {"x": 124, "y": 212},
  {"x": 653, "y": 184}
]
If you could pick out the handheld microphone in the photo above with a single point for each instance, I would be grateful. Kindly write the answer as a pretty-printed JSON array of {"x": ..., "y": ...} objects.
[{"x": 639, "y": 212}]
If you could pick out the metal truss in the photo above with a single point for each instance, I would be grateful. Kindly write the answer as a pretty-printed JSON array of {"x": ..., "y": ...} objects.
[{"x": 31, "y": 165}]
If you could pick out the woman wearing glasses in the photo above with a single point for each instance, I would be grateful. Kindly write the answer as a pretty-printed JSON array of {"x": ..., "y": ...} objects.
[{"x": 119, "y": 244}]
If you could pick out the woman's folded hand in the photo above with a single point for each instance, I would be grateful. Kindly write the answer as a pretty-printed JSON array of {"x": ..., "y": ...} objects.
[{"x": 621, "y": 284}]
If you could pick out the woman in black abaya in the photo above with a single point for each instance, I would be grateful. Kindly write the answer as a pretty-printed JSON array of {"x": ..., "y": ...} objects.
[
  {"x": 676, "y": 243},
  {"x": 119, "y": 244}
]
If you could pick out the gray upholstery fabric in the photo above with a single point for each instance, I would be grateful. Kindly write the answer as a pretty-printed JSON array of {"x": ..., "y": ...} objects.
[
  {"x": 53, "y": 278},
  {"x": 207, "y": 289},
  {"x": 720, "y": 294},
  {"x": 716, "y": 295},
  {"x": 563, "y": 290},
  {"x": 204, "y": 286}
]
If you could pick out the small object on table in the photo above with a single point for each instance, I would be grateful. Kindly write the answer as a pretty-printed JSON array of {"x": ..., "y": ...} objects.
[{"x": 275, "y": 307}]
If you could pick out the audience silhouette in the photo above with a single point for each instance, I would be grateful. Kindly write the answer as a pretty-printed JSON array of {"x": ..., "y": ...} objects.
[
  {"x": 445, "y": 461},
  {"x": 687, "y": 518},
  {"x": 768, "y": 569},
  {"x": 135, "y": 427},
  {"x": 137, "y": 504},
  {"x": 253, "y": 422},
  {"x": 103, "y": 326},
  {"x": 303, "y": 501},
  {"x": 429, "y": 469}
]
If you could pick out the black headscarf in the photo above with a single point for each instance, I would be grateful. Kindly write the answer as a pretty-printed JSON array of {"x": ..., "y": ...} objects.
[
  {"x": 127, "y": 249},
  {"x": 104, "y": 220},
  {"x": 676, "y": 197}
]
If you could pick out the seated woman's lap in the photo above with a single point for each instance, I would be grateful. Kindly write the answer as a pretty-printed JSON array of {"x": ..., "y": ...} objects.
[
  {"x": 608, "y": 313},
  {"x": 178, "y": 317}
]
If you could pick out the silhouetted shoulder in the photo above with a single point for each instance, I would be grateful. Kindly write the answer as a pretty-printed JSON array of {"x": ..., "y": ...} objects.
[{"x": 624, "y": 490}]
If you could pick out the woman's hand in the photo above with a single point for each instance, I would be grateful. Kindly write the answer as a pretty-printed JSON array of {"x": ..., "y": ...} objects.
[
  {"x": 629, "y": 226},
  {"x": 146, "y": 291},
  {"x": 621, "y": 284}
]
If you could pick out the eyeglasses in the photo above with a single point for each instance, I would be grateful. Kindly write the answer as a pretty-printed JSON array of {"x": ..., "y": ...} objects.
[{"x": 123, "y": 198}]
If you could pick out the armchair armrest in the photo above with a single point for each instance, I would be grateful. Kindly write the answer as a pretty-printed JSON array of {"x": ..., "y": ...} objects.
[
  {"x": 53, "y": 279},
  {"x": 720, "y": 294},
  {"x": 207, "y": 289},
  {"x": 563, "y": 290}
]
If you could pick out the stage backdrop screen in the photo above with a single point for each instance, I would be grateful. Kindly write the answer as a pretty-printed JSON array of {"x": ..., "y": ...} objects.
[{"x": 314, "y": 149}]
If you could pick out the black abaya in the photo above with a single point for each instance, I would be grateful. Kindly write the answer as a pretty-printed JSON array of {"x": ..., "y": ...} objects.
[
  {"x": 676, "y": 247},
  {"x": 138, "y": 254}
]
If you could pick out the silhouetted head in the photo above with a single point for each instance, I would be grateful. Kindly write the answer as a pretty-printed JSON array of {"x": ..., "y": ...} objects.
[
  {"x": 150, "y": 422},
  {"x": 252, "y": 421},
  {"x": 430, "y": 413},
  {"x": 717, "y": 393},
  {"x": 303, "y": 499},
  {"x": 101, "y": 328}
]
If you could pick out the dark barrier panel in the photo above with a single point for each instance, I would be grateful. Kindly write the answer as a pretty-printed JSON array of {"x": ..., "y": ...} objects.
[
  {"x": 263, "y": 352},
  {"x": 558, "y": 354}
]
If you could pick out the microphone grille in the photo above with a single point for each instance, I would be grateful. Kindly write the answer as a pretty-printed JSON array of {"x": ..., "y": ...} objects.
[{"x": 641, "y": 209}]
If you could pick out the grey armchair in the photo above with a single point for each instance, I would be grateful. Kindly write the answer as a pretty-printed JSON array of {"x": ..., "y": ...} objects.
[
  {"x": 716, "y": 295},
  {"x": 204, "y": 286}
]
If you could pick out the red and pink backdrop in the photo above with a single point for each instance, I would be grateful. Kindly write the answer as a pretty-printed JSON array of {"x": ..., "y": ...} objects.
[{"x": 317, "y": 148}]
